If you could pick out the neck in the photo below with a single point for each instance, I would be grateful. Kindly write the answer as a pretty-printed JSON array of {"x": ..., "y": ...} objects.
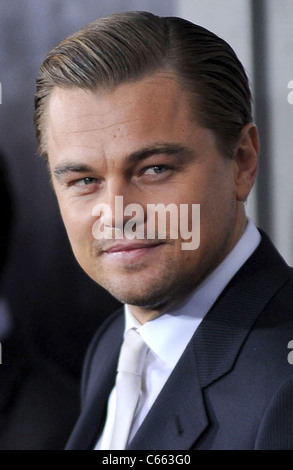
[{"x": 148, "y": 313}]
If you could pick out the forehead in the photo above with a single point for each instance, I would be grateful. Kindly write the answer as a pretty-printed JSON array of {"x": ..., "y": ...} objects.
[{"x": 155, "y": 108}]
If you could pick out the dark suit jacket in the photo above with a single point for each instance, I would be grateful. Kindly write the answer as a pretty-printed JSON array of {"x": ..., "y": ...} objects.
[{"x": 233, "y": 386}]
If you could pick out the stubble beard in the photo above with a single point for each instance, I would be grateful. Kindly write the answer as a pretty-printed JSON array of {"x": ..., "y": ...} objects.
[
  {"x": 170, "y": 286},
  {"x": 158, "y": 292}
]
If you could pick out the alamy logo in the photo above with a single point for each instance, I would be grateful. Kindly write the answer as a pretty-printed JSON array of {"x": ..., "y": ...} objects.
[
  {"x": 290, "y": 95},
  {"x": 158, "y": 223},
  {"x": 0, "y": 93},
  {"x": 290, "y": 355}
]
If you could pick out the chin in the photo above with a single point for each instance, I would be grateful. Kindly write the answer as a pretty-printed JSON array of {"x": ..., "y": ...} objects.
[
  {"x": 151, "y": 298},
  {"x": 154, "y": 298}
]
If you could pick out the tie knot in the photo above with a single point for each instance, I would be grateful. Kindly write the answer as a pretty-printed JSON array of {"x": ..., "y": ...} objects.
[{"x": 132, "y": 353}]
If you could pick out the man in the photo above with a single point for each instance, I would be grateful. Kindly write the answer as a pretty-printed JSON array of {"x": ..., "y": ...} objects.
[{"x": 156, "y": 111}]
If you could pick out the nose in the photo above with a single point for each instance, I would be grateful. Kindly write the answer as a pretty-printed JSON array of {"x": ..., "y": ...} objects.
[{"x": 120, "y": 202}]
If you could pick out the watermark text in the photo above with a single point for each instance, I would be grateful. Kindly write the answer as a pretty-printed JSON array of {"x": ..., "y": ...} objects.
[
  {"x": 290, "y": 94},
  {"x": 158, "y": 222},
  {"x": 290, "y": 355}
]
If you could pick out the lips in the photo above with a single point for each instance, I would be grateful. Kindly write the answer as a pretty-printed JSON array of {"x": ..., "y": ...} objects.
[{"x": 127, "y": 247}]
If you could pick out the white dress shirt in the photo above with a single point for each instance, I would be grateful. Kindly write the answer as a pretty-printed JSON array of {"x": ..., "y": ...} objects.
[{"x": 168, "y": 335}]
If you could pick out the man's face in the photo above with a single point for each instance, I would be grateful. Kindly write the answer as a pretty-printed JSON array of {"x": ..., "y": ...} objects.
[{"x": 141, "y": 142}]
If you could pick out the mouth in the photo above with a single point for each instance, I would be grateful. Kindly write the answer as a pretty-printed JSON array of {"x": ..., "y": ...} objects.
[{"x": 131, "y": 251}]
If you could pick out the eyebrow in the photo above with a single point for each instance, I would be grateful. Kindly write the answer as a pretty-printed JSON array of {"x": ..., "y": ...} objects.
[
  {"x": 67, "y": 167},
  {"x": 167, "y": 149}
]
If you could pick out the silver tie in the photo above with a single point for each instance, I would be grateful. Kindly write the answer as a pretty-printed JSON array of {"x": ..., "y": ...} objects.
[{"x": 128, "y": 387}]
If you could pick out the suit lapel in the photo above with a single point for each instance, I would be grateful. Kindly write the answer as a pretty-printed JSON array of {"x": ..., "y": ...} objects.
[{"x": 220, "y": 336}]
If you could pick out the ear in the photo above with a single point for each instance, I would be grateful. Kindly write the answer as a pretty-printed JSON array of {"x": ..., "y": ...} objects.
[{"x": 246, "y": 161}]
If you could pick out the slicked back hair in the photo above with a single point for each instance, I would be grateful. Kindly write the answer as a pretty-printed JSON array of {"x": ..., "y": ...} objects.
[{"x": 126, "y": 47}]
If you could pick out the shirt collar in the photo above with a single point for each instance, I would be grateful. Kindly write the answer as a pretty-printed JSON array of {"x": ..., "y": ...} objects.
[{"x": 183, "y": 322}]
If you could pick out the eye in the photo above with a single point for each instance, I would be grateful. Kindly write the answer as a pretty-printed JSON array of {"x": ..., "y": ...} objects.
[
  {"x": 155, "y": 169},
  {"x": 85, "y": 181},
  {"x": 86, "y": 185},
  {"x": 88, "y": 180}
]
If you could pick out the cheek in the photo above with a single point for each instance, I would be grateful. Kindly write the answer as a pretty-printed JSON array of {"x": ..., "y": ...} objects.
[
  {"x": 217, "y": 205},
  {"x": 78, "y": 226}
]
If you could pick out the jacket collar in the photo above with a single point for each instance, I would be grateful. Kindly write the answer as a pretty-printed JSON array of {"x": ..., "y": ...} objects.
[{"x": 220, "y": 336}]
